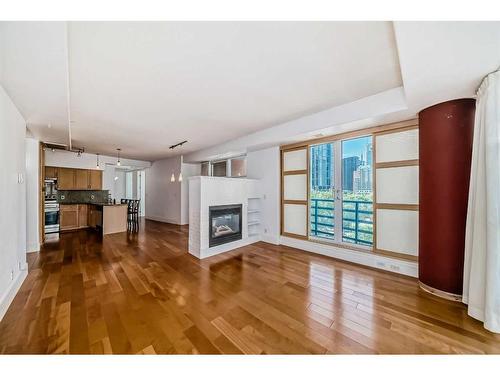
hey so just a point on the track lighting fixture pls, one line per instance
(118, 163)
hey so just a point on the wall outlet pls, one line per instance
(394, 267)
(265, 230)
(12, 274)
(381, 264)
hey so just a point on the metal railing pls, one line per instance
(357, 220)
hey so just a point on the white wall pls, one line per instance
(188, 170)
(13, 267)
(163, 197)
(32, 195)
(264, 165)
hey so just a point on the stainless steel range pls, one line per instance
(51, 207)
(51, 216)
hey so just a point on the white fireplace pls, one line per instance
(219, 215)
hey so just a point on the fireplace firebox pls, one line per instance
(224, 224)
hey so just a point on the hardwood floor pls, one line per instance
(143, 293)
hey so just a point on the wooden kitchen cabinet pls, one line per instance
(68, 216)
(82, 216)
(95, 179)
(66, 179)
(78, 179)
(51, 172)
(81, 179)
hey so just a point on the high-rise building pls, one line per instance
(321, 166)
(349, 165)
(362, 180)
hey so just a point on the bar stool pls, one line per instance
(133, 214)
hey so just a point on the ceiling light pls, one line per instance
(176, 145)
(116, 178)
(97, 165)
(118, 163)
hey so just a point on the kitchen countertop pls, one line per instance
(96, 203)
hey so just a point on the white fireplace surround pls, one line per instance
(207, 191)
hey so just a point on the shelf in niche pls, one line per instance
(253, 223)
(253, 211)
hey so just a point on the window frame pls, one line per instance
(373, 131)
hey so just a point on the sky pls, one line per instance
(355, 147)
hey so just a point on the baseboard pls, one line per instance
(400, 266)
(163, 219)
(8, 297)
(275, 240)
(33, 247)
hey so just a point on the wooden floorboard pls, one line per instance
(142, 293)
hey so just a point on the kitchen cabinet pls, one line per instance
(68, 216)
(65, 179)
(94, 216)
(78, 179)
(82, 216)
(81, 179)
(95, 179)
(51, 172)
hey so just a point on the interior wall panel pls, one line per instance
(295, 187)
(397, 231)
(397, 185)
(295, 160)
(397, 146)
(295, 219)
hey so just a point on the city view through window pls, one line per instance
(347, 191)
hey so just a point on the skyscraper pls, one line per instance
(349, 165)
(321, 166)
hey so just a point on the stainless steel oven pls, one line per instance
(50, 188)
(51, 209)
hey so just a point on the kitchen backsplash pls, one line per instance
(82, 196)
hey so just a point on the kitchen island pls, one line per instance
(106, 217)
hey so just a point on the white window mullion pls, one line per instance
(337, 150)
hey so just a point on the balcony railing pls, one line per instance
(357, 220)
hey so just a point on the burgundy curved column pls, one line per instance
(445, 150)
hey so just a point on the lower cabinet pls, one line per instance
(76, 216)
(82, 215)
(68, 216)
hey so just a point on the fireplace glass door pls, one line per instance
(225, 224)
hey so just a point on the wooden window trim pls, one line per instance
(298, 171)
(397, 164)
(393, 254)
(375, 131)
(396, 206)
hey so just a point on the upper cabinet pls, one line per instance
(51, 172)
(95, 179)
(76, 179)
(65, 179)
(81, 179)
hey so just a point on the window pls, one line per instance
(219, 168)
(205, 168)
(238, 167)
(357, 195)
(340, 185)
(322, 191)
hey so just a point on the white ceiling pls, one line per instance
(143, 86)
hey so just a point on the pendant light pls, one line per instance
(180, 173)
(97, 163)
(172, 179)
(118, 163)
